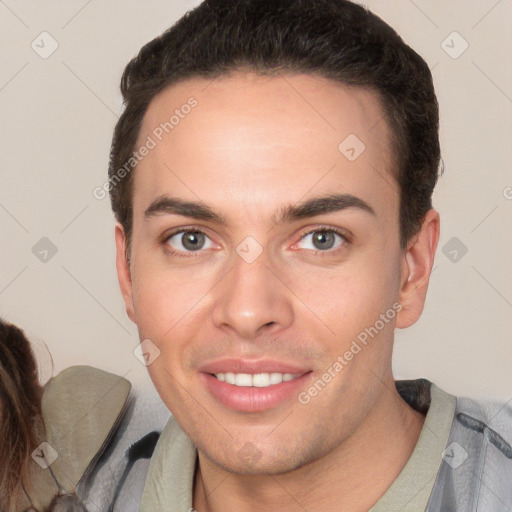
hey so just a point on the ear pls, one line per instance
(417, 263)
(123, 271)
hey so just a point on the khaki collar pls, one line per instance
(170, 480)
(81, 407)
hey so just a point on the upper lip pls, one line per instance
(232, 365)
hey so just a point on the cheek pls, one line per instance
(350, 303)
(351, 295)
(165, 297)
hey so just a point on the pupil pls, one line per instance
(322, 237)
(192, 240)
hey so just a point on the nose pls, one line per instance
(252, 300)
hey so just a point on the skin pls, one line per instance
(252, 146)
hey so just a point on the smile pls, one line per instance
(258, 380)
(256, 392)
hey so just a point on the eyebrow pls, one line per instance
(165, 205)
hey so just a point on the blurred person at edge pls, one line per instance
(54, 439)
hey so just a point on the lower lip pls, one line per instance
(253, 399)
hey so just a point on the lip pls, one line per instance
(252, 367)
(253, 399)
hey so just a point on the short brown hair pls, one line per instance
(336, 39)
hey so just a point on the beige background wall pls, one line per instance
(56, 120)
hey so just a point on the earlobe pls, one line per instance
(123, 271)
(417, 265)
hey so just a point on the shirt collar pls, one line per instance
(170, 480)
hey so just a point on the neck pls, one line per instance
(352, 477)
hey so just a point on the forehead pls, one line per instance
(250, 139)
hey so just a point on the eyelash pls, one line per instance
(195, 254)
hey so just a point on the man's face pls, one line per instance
(258, 293)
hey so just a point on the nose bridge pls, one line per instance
(251, 298)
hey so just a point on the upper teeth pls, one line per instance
(258, 380)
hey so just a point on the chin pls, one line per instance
(251, 461)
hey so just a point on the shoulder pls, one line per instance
(119, 474)
(477, 462)
(490, 418)
(81, 406)
(83, 385)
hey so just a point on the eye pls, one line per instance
(324, 240)
(188, 241)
